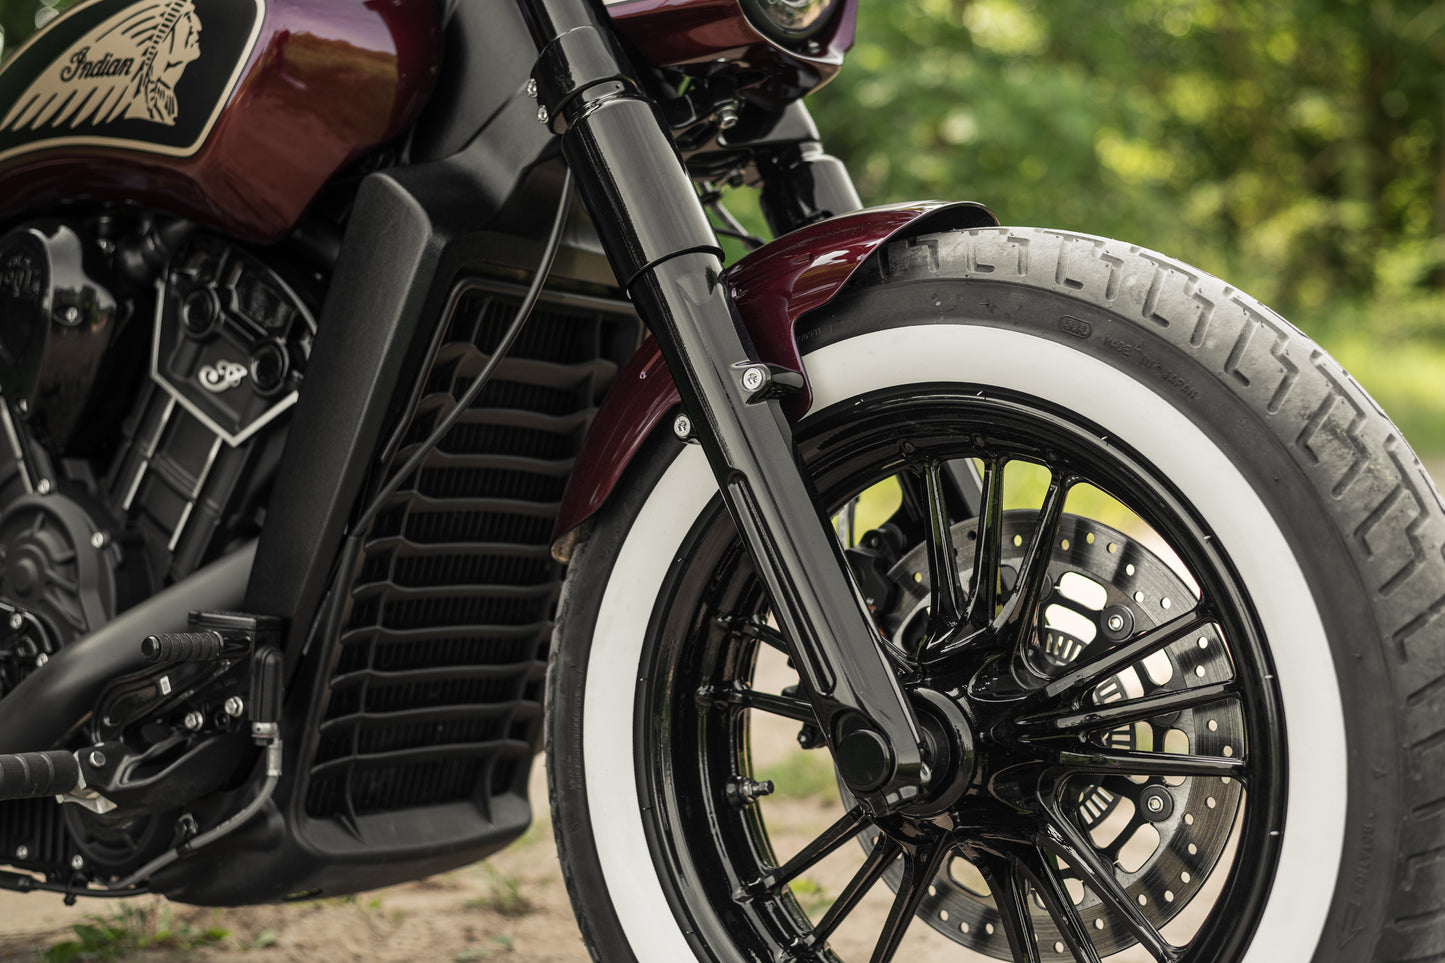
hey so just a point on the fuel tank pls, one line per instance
(233, 113)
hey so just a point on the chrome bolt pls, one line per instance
(97, 758)
(77, 862)
(234, 706)
(682, 427)
(17, 620)
(193, 720)
(755, 377)
(43, 486)
(726, 117)
(22, 851)
(542, 116)
(41, 659)
(71, 315)
(532, 89)
(1116, 622)
(1154, 804)
(98, 540)
(23, 405)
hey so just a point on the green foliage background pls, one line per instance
(1295, 147)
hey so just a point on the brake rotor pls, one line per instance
(1164, 836)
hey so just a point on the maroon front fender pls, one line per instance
(771, 288)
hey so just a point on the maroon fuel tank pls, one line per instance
(231, 112)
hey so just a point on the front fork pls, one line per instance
(664, 251)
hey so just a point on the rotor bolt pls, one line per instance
(77, 862)
(755, 377)
(682, 427)
(1116, 622)
(97, 758)
(542, 116)
(17, 620)
(532, 88)
(98, 540)
(22, 851)
(1157, 803)
(193, 720)
(234, 706)
(43, 486)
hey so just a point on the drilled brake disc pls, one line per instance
(1163, 836)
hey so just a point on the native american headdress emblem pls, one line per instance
(127, 67)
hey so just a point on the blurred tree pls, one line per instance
(1297, 144)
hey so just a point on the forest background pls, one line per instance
(1294, 147)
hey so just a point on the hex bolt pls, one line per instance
(745, 792)
(41, 659)
(234, 706)
(1116, 622)
(17, 620)
(1157, 804)
(98, 540)
(97, 758)
(22, 851)
(194, 720)
(755, 377)
(726, 117)
(682, 427)
(542, 116)
(71, 315)
(532, 88)
(43, 486)
(77, 862)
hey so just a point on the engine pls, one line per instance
(146, 371)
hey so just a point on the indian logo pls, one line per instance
(131, 74)
(126, 67)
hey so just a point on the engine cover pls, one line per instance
(56, 322)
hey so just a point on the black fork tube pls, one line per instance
(657, 236)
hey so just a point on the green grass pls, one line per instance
(130, 930)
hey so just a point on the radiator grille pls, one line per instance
(435, 690)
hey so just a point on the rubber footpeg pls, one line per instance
(35, 775)
(172, 647)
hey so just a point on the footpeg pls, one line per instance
(35, 775)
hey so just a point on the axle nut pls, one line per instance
(863, 759)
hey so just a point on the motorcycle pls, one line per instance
(349, 460)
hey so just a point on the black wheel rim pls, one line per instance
(1021, 813)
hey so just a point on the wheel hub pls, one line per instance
(1164, 835)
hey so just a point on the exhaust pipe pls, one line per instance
(60, 695)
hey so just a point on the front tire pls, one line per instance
(1243, 473)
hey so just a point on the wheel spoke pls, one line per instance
(869, 873)
(1065, 722)
(752, 627)
(1049, 884)
(983, 584)
(1089, 673)
(1066, 841)
(1136, 763)
(771, 883)
(1010, 895)
(945, 594)
(920, 867)
(1034, 569)
(742, 697)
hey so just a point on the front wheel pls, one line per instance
(1163, 586)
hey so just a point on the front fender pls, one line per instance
(771, 289)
